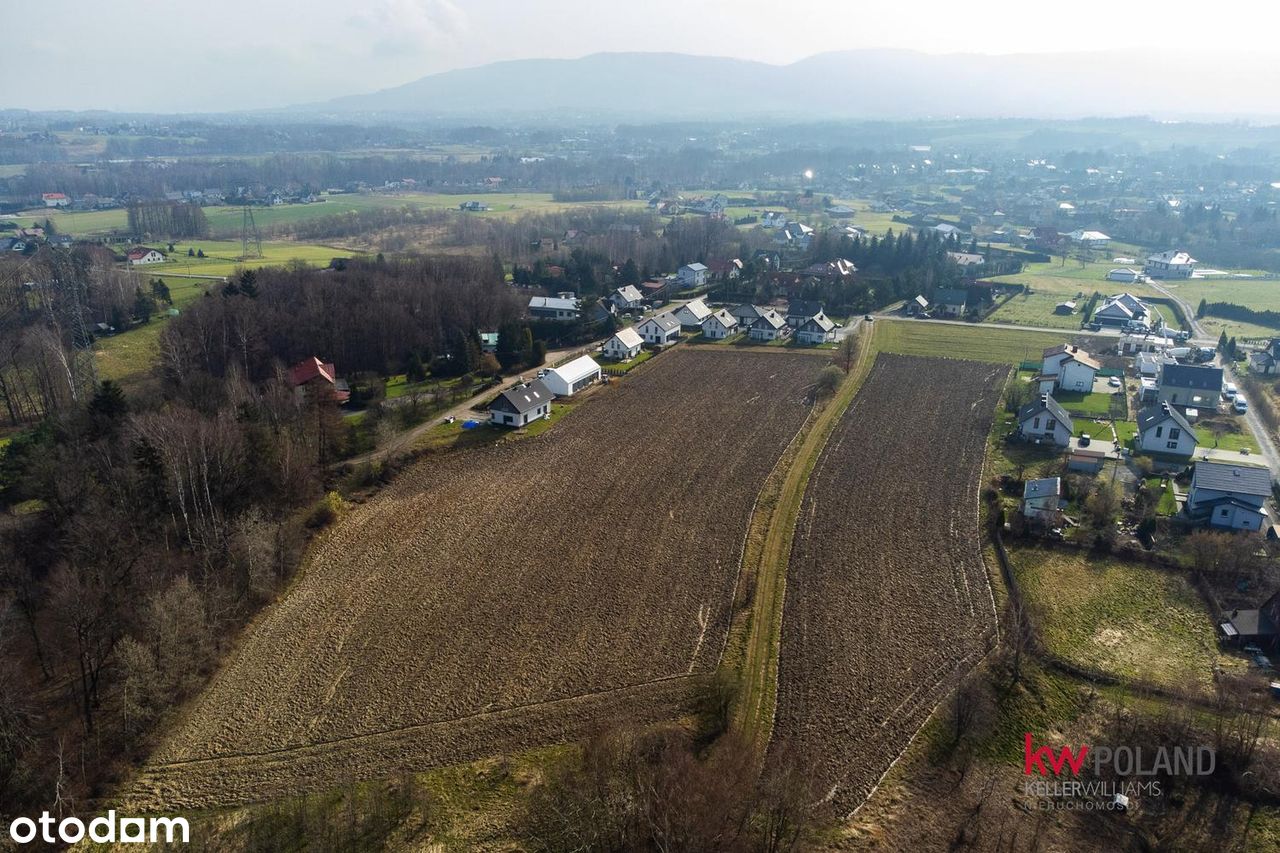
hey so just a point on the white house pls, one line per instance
(1121, 310)
(1125, 275)
(816, 330)
(769, 326)
(1041, 499)
(571, 377)
(1162, 429)
(801, 311)
(1067, 368)
(521, 405)
(1045, 421)
(625, 344)
(1089, 239)
(1170, 264)
(692, 275)
(1230, 496)
(1266, 361)
(720, 325)
(55, 199)
(563, 306)
(626, 298)
(746, 314)
(142, 255)
(692, 313)
(660, 329)
(951, 301)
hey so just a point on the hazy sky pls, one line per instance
(204, 55)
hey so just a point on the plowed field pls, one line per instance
(887, 600)
(496, 599)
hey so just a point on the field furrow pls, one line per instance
(887, 599)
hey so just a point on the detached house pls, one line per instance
(563, 306)
(800, 312)
(951, 302)
(625, 344)
(1121, 310)
(1266, 361)
(627, 298)
(720, 325)
(1067, 368)
(660, 329)
(1190, 385)
(1162, 429)
(769, 326)
(746, 314)
(141, 255)
(521, 405)
(692, 314)
(816, 330)
(1042, 499)
(1170, 264)
(1229, 496)
(692, 275)
(318, 379)
(1045, 421)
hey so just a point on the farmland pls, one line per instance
(887, 596)
(975, 343)
(463, 612)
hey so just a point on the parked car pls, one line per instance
(1230, 390)
(1114, 382)
(1241, 405)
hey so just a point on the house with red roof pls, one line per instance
(55, 199)
(140, 255)
(313, 376)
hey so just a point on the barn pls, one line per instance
(571, 377)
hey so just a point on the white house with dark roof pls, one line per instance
(720, 325)
(1121, 310)
(801, 311)
(769, 327)
(563, 306)
(1266, 361)
(521, 405)
(816, 330)
(625, 344)
(1170, 264)
(1043, 420)
(571, 377)
(1229, 496)
(746, 314)
(951, 301)
(660, 329)
(1162, 429)
(1196, 386)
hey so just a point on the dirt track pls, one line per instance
(887, 598)
(498, 599)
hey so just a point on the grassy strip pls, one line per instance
(753, 664)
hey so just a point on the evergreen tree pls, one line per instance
(1222, 341)
(143, 306)
(1200, 309)
(107, 409)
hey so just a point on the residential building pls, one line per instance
(1229, 496)
(1067, 368)
(692, 313)
(1170, 264)
(1089, 239)
(725, 270)
(55, 199)
(966, 259)
(1045, 421)
(769, 326)
(625, 344)
(1266, 361)
(800, 311)
(141, 255)
(562, 306)
(1123, 309)
(626, 298)
(660, 329)
(919, 305)
(1125, 275)
(521, 405)
(746, 314)
(1042, 500)
(719, 325)
(1195, 386)
(319, 379)
(816, 330)
(1163, 430)
(570, 378)
(692, 275)
(951, 302)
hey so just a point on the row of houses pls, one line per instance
(805, 320)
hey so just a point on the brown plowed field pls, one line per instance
(504, 597)
(887, 600)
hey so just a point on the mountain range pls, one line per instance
(876, 84)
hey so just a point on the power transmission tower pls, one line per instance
(249, 234)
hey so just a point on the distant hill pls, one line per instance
(847, 84)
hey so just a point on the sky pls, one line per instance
(223, 55)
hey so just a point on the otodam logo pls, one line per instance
(1121, 760)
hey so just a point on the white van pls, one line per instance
(1241, 405)
(1230, 390)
